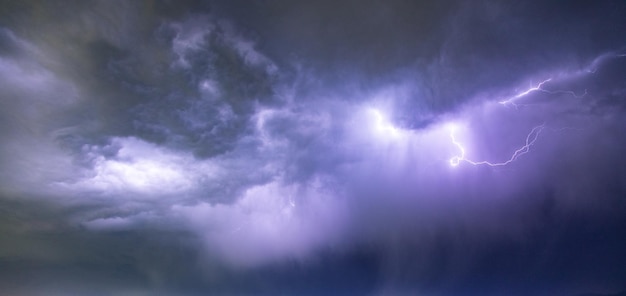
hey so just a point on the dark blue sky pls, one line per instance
(312, 147)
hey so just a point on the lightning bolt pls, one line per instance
(531, 138)
(531, 89)
(539, 88)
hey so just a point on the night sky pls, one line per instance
(276, 147)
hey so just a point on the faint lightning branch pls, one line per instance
(531, 89)
(292, 203)
(539, 88)
(531, 138)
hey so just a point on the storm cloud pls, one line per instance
(312, 148)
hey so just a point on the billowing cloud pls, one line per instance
(312, 148)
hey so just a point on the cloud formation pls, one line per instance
(312, 148)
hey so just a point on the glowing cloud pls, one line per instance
(138, 167)
(381, 126)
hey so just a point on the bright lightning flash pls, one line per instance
(539, 87)
(530, 140)
(532, 136)
(382, 126)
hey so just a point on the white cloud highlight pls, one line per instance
(269, 222)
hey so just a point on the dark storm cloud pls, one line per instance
(222, 81)
(304, 148)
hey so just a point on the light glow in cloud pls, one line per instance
(382, 127)
(269, 222)
(139, 167)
